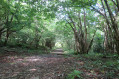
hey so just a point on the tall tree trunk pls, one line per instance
(80, 35)
(114, 26)
(7, 36)
(117, 4)
(91, 43)
(85, 38)
(0, 36)
(111, 22)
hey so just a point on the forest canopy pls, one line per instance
(77, 25)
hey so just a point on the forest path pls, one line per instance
(54, 65)
(58, 51)
(44, 66)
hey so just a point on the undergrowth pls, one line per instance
(22, 51)
(97, 63)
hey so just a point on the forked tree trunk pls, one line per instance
(80, 35)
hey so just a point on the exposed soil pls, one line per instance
(45, 66)
(48, 66)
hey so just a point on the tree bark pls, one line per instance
(117, 4)
(7, 36)
(80, 35)
(91, 42)
(114, 26)
(111, 23)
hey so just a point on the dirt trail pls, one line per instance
(45, 66)
(58, 51)
(54, 65)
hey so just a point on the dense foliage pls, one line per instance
(79, 26)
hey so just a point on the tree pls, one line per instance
(110, 15)
(108, 10)
(81, 33)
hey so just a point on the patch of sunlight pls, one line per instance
(80, 63)
(24, 64)
(32, 70)
(58, 44)
(19, 59)
(33, 59)
(117, 19)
